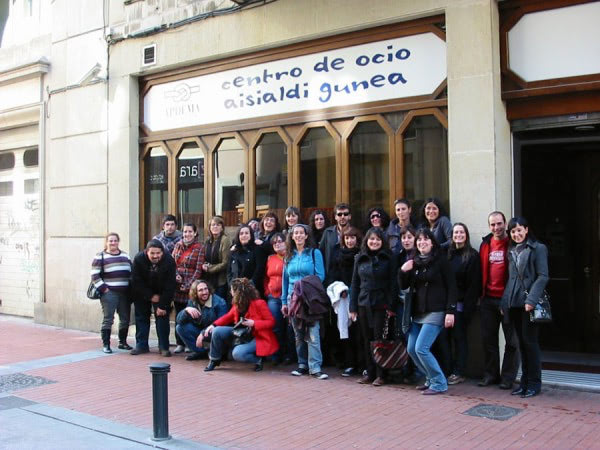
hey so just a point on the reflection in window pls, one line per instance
(317, 172)
(190, 186)
(156, 189)
(31, 186)
(369, 169)
(6, 188)
(229, 181)
(271, 175)
(425, 161)
(7, 161)
(30, 158)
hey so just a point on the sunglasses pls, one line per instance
(345, 214)
(375, 216)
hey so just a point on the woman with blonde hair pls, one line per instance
(111, 269)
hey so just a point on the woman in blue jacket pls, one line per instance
(302, 260)
(527, 278)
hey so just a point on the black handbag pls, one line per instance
(542, 312)
(241, 333)
(92, 292)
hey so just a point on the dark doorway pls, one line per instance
(559, 174)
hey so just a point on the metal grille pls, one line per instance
(495, 412)
(16, 381)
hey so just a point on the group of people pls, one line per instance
(316, 294)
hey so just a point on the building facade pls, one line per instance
(191, 108)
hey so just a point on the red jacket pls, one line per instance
(484, 255)
(266, 342)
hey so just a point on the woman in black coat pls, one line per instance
(527, 278)
(464, 260)
(433, 303)
(246, 260)
(373, 295)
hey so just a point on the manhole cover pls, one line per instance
(495, 412)
(16, 381)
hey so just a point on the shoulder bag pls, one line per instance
(241, 333)
(542, 312)
(389, 354)
(92, 292)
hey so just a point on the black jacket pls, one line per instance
(374, 280)
(147, 280)
(247, 262)
(468, 279)
(343, 265)
(433, 287)
(329, 246)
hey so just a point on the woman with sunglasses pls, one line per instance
(378, 218)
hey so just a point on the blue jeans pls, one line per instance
(274, 305)
(420, 339)
(309, 353)
(189, 333)
(143, 309)
(220, 341)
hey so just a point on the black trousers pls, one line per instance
(179, 307)
(452, 347)
(491, 319)
(528, 334)
(370, 334)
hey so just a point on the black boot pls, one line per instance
(123, 345)
(106, 341)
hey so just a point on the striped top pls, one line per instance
(117, 271)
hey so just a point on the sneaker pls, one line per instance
(138, 351)
(179, 349)
(348, 372)
(300, 371)
(456, 379)
(319, 375)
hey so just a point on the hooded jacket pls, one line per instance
(148, 279)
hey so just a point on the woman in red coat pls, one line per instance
(254, 313)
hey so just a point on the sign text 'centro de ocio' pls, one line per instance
(383, 70)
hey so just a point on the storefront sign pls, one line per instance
(394, 68)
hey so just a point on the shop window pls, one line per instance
(229, 181)
(155, 189)
(317, 171)
(31, 186)
(30, 158)
(271, 175)
(7, 161)
(425, 161)
(190, 186)
(6, 188)
(369, 169)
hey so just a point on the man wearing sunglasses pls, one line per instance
(330, 242)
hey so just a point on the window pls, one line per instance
(155, 189)
(30, 158)
(271, 175)
(229, 169)
(425, 161)
(7, 161)
(369, 169)
(317, 171)
(190, 186)
(6, 188)
(31, 186)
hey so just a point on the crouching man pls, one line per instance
(203, 308)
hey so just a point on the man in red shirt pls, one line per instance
(494, 270)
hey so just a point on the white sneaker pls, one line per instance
(319, 375)
(179, 349)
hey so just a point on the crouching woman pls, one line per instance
(253, 313)
(203, 308)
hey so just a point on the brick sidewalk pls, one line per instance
(234, 407)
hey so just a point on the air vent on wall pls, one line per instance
(149, 55)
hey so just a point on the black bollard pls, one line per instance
(160, 400)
